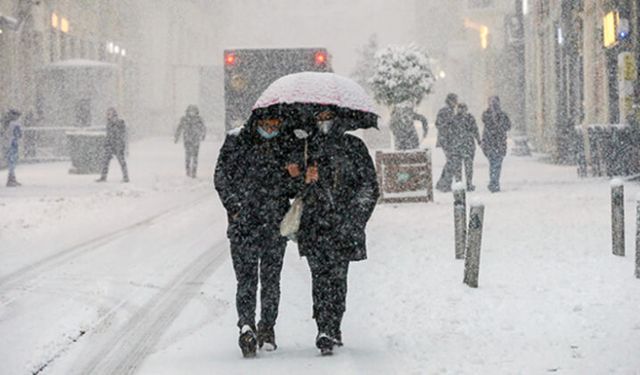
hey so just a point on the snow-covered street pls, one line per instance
(136, 278)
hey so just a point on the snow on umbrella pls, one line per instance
(324, 89)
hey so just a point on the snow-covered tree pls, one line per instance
(401, 74)
(366, 63)
(401, 80)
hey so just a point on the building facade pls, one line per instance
(573, 81)
(159, 47)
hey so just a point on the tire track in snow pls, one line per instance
(32, 272)
(123, 352)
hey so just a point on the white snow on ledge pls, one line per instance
(615, 182)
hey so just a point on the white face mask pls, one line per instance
(325, 126)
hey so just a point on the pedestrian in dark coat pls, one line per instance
(339, 197)
(11, 133)
(115, 145)
(464, 136)
(253, 184)
(494, 140)
(404, 133)
(444, 123)
(193, 132)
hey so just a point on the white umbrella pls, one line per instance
(317, 88)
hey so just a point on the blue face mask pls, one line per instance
(266, 135)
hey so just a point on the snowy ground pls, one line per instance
(135, 278)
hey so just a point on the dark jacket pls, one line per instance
(338, 206)
(464, 135)
(444, 123)
(116, 135)
(494, 135)
(192, 129)
(253, 184)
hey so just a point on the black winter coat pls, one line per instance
(192, 129)
(464, 134)
(116, 135)
(494, 135)
(338, 206)
(253, 185)
(444, 123)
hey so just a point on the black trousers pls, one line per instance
(329, 292)
(252, 261)
(495, 168)
(449, 172)
(119, 154)
(460, 161)
(191, 151)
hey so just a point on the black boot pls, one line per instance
(325, 343)
(247, 341)
(266, 337)
(12, 182)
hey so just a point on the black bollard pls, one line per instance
(460, 219)
(617, 217)
(472, 258)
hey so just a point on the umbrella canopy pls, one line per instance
(349, 99)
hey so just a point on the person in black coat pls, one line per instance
(254, 187)
(464, 136)
(115, 145)
(494, 140)
(445, 121)
(193, 132)
(340, 194)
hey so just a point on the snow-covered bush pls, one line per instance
(402, 74)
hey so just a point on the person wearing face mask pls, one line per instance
(339, 194)
(255, 188)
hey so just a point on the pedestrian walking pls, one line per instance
(339, 197)
(464, 136)
(254, 187)
(193, 132)
(10, 135)
(494, 140)
(444, 123)
(115, 145)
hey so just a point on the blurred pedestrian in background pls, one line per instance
(193, 132)
(464, 136)
(494, 140)
(10, 135)
(115, 145)
(444, 123)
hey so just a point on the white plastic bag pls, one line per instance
(291, 222)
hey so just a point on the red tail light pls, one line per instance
(321, 58)
(229, 58)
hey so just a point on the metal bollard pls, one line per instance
(460, 219)
(617, 217)
(638, 237)
(472, 258)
